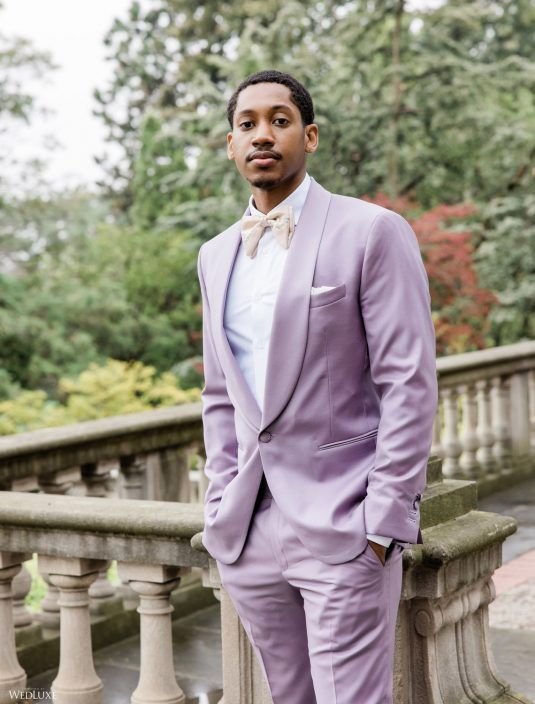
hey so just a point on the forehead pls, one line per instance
(261, 97)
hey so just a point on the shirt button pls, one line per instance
(265, 436)
(257, 297)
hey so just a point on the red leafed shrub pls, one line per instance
(459, 305)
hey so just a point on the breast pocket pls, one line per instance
(326, 297)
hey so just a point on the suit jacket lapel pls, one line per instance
(239, 391)
(290, 317)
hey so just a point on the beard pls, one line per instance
(265, 182)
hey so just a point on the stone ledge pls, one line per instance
(166, 519)
(460, 537)
(446, 500)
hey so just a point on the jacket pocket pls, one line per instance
(325, 297)
(348, 441)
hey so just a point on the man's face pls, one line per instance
(268, 141)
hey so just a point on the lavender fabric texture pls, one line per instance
(351, 390)
(323, 634)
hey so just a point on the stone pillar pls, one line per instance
(520, 417)
(436, 447)
(49, 615)
(531, 392)
(22, 583)
(12, 676)
(450, 442)
(500, 424)
(133, 470)
(96, 477)
(203, 479)
(470, 441)
(76, 681)
(171, 476)
(154, 584)
(443, 653)
(60, 482)
(484, 427)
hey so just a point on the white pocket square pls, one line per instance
(318, 289)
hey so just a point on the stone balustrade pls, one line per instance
(75, 538)
(485, 425)
(484, 430)
(150, 452)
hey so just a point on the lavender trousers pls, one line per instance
(323, 634)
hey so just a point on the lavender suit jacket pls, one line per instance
(351, 386)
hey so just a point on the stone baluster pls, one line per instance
(76, 681)
(531, 393)
(12, 676)
(203, 479)
(520, 418)
(133, 469)
(154, 584)
(500, 424)
(484, 427)
(436, 447)
(451, 444)
(469, 437)
(96, 478)
(60, 482)
(49, 615)
(22, 583)
(171, 480)
(27, 484)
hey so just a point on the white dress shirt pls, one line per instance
(252, 291)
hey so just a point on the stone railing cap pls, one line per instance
(88, 514)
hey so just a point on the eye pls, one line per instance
(247, 122)
(281, 118)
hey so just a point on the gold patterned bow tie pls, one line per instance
(281, 219)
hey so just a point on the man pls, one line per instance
(318, 406)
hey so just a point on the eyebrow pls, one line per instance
(273, 108)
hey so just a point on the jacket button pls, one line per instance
(265, 436)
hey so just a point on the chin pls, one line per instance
(265, 181)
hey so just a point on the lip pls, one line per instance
(264, 161)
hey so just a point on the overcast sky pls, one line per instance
(72, 31)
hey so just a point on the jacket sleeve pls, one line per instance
(395, 304)
(219, 430)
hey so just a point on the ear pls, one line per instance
(230, 146)
(311, 138)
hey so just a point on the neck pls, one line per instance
(265, 200)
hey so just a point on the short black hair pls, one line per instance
(299, 94)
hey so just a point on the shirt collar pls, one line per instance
(296, 199)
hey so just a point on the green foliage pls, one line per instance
(506, 264)
(434, 108)
(111, 389)
(38, 588)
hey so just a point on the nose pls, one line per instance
(263, 134)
